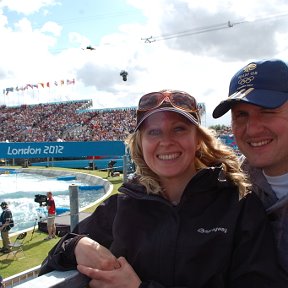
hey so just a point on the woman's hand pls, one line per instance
(90, 253)
(123, 277)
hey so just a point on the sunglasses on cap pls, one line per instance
(178, 99)
(167, 100)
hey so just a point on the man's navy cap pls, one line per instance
(263, 83)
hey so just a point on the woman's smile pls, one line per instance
(170, 156)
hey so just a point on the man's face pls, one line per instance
(262, 136)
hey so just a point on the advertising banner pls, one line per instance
(15, 150)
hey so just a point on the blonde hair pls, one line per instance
(212, 152)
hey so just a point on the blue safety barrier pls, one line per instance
(61, 210)
(66, 178)
(92, 187)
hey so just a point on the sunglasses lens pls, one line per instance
(177, 99)
(150, 101)
(167, 100)
(183, 101)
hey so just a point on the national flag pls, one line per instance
(10, 89)
(70, 81)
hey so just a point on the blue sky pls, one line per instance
(91, 19)
(193, 47)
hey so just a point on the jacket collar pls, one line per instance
(204, 179)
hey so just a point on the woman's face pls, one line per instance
(169, 143)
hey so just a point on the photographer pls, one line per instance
(6, 223)
(51, 227)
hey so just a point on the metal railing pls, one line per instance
(57, 279)
(16, 279)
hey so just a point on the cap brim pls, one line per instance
(263, 98)
(187, 115)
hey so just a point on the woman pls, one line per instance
(185, 220)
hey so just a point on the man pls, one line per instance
(51, 227)
(6, 223)
(258, 95)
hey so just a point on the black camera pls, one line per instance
(124, 75)
(41, 199)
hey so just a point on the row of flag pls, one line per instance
(50, 84)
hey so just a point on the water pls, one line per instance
(19, 190)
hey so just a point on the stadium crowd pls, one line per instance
(73, 121)
(64, 121)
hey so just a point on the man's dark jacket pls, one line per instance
(276, 210)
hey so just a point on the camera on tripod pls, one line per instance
(41, 199)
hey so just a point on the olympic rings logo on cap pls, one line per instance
(246, 80)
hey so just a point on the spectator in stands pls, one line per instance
(258, 97)
(63, 121)
(51, 227)
(184, 220)
(6, 223)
